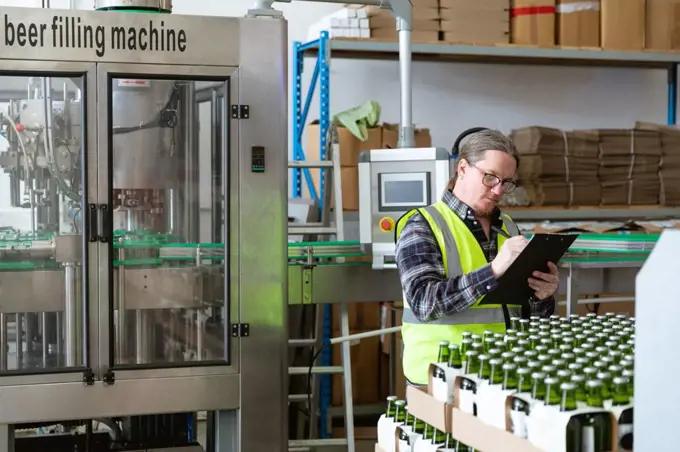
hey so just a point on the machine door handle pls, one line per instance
(92, 222)
(105, 225)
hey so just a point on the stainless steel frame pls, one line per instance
(250, 393)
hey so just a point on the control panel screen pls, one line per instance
(400, 191)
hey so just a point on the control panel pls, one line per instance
(391, 183)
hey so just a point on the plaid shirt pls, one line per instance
(429, 293)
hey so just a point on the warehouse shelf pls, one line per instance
(324, 49)
(499, 54)
(593, 213)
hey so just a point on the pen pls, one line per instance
(500, 231)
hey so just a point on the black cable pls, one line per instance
(166, 118)
(309, 383)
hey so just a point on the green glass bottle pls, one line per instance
(580, 382)
(553, 396)
(538, 386)
(419, 426)
(477, 338)
(535, 366)
(509, 376)
(410, 419)
(468, 387)
(391, 410)
(400, 415)
(630, 375)
(520, 361)
(443, 356)
(439, 437)
(567, 403)
(455, 359)
(524, 325)
(575, 368)
(495, 352)
(466, 335)
(489, 344)
(484, 372)
(428, 434)
(549, 370)
(606, 379)
(496, 371)
(531, 355)
(564, 375)
(621, 399)
(514, 323)
(465, 346)
(560, 363)
(596, 427)
(524, 382)
(509, 356)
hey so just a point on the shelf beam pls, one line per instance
(500, 54)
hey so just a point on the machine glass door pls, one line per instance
(43, 203)
(171, 262)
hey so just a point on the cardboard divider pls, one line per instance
(425, 407)
(480, 436)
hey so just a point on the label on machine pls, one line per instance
(133, 83)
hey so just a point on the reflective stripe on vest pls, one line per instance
(477, 315)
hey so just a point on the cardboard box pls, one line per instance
(478, 22)
(623, 24)
(350, 146)
(533, 22)
(578, 23)
(362, 316)
(662, 31)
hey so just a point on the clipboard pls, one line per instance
(513, 287)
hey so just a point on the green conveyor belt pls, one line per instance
(158, 249)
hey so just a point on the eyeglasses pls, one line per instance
(491, 180)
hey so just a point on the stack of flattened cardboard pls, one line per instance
(669, 165)
(425, 22)
(476, 22)
(558, 167)
(629, 166)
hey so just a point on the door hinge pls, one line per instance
(240, 330)
(88, 377)
(240, 111)
(109, 377)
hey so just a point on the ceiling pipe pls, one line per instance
(403, 13)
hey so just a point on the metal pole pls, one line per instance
(406, 131)
(672, 94)
(4, 346)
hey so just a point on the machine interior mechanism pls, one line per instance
(127, 193)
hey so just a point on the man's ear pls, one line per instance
(461, 168)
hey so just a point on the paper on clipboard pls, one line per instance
(513, 286)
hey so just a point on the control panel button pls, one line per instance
(386, 224)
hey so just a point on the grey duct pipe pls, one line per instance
(402, 10)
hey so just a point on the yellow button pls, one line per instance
(386, 224)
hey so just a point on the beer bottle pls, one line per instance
(400, 415)
(511, 342)
(538, 388)
(477, 338)
(478, 347)
(465, 346)
(520, 361)
(428, 433)
(495, 352)
(468, 387)
(554, 353)
(629, 374)
(534, 340)
(560, 364)
(466, 335)
(519, 411)
(455, 360)
(496, 371)
(596, 427)
(508, 356)
(606, 379)
(567, 403)
(569, 358)
(575, 368)
(524, 344)
(391, 410)
(489, 344)
(514, 323)
(524, 325)
(419, 426)
(564, 375)
(410, 419)
(590, 373)
(534, 366)
(443, 352)
(484, 372)
(580, 382)
(552, 391)
(524, 383)
(509, 376)
(439, 437)
(621, 398)
(531, 355)
(549, 370)
(615, 371)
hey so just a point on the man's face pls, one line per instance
(483, 181)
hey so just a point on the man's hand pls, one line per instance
(545, 284)
(511, 248)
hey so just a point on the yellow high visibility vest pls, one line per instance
(461, 254)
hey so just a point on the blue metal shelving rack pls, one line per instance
(301, 107)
